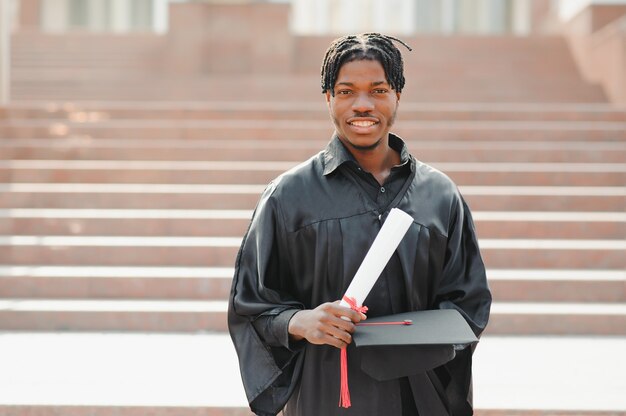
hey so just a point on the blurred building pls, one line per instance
(409, 17)
(319, 17)
(54, 16)
(176, 38)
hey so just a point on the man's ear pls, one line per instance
(398, 95)
(328, 96)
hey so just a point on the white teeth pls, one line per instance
(363, 123)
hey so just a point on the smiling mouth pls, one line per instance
(360, 123)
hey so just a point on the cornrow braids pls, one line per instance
(370, 46)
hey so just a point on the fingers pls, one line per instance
(329, 335)
(340, 333)
(335, 342)
(329, 324)
(335, 327)
(339, 311)
(340, 323)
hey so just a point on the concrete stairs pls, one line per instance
(71, 214)
(96, 67)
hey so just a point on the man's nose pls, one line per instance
(362, 103)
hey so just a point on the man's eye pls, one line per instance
(344, 92)
(380, 91)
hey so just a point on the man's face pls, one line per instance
(364, 106)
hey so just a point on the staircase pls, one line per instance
(122, 214)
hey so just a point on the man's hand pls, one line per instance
(324, 324)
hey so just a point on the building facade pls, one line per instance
(308, 17)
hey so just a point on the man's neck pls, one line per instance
(377, 161)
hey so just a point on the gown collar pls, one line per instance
(336, 153)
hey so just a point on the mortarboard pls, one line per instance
(391, 349)
(432, 327)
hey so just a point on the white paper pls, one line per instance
(385, 243)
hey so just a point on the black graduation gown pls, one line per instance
(308, 235)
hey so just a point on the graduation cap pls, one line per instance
(432, 327)
(410, 343)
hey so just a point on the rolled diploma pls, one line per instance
(377, 257)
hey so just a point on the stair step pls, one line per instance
(222, 223)
(513, 318)
(63, 282)
(557, 318)
(306, 129)
(113, 315)
(128, 82)
(222, 251)
(545, 285)
(247, 172)
(486, 85)
(75, 90)
(239, 196)
(269, 110)
(86, 148)
(208, 283)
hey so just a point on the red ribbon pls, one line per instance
(405, 322)
(344, 394)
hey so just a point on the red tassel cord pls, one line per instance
(405, 322)
(344, 394)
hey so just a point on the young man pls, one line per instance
(309, 233)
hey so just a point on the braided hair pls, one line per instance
(370, 46)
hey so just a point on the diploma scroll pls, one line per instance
(377, 257)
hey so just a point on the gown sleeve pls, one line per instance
(463, 286)
(258, 312)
